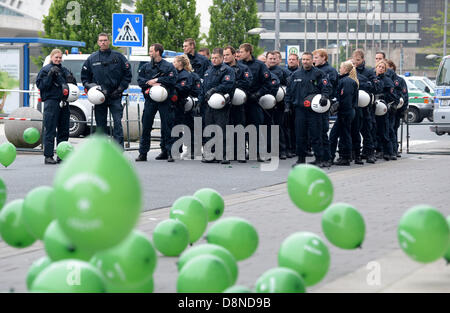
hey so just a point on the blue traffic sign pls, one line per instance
(128, 30)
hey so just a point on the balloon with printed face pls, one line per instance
(12, 226)
(423, 234)
(31, 135)
(212, 201)
(129, 263)
(204, 274)
(306, 254)
(236, 235)
(280, 280)
(97, 195)
(8, 154)
(192, 213)
(171, 237)
(69, 276)
(310, 188)
(36, 211)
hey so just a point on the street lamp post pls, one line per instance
(445, 28)
(277, 25)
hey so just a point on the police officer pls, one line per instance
(273, 63)
(304, 83)
(52, 82)
(321, 62)
(390, 98)
(183, 87)
(243, 81)
(261, 85)
(158, 72)
(347, 95)
(219, 79)
(199, 63)
(369, 84)
(111, 71)
(293, 65)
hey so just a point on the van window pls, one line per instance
(443, 76)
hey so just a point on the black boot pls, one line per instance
(49, 160)
(162, 156)
(371, 159)
(358, 160)
(343, 162)
(301, 160)
(326, 164)
(141, 158)
(316, 162)
(170, 158)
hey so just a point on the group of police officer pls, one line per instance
(235, 88)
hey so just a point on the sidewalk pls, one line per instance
(382, 193)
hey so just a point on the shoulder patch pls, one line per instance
(183, 83)
(171, 74)
(246, 74)
(227, 77)
(397, 83)
(325, 82)
(266, 75)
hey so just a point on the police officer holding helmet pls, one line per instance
(303, 84)
(112, 72)
(157, 73)
(52, 82)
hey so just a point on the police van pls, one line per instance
(442, 102)
(81, 110)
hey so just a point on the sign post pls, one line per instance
(292, 50)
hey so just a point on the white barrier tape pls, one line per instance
(15, 119)
(20, 91)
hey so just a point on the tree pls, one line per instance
(170, 22)
(437, 30)
(80, 20)
(230, 22)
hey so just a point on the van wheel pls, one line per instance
(414, 116)
(76, 129)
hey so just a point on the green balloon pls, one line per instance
(310, 188)
(36, 211)
(447, 254)
(280, 280)
(209, 249)
(2, 193)
(238, 289)
(192, 213)
(31, 135)
(212, 201)
(97, 195)
(12, 226)
(306, 254)
(59, 247)
(131, 262)
(204, 274)
(143, 287)
(69, 276)
(36, 268)
(236, 235)
(63, 149)
(7, 154)
(344, 226)
(423, 234)
(171, 237)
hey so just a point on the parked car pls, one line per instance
(420, 104)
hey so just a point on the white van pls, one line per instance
(81, 110)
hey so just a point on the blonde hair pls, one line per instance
(55, 51)
(348, 65)
(382, 62)
(184, 60)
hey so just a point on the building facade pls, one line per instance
(393, 26)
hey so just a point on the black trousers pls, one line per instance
(342, 131)
(101, 117)
(221, 119)
(308, 122)
(56, 124)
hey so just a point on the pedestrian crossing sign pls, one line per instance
(128, 30)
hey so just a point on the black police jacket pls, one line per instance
(347, 94)
(332, 75)
(108, 69)
(261, 83)
(275, 84)
(221, 78)
(282, 74)
(184, 84)
(398, 88)
(292, 69)
(50, 86)
(199, 63)
(164, 71)
(368, 81)
(243, 76)
(304, 83)
(387, 93)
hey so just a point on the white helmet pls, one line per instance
(239, 97)
(158, 93)
(401, 103)
(189, 105)
(95, 96)
(267, 102)
(74, 93)
(281, 93)
(381, 108)
(316, 107)
(364, 99)
(217, 101)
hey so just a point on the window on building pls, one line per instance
(268, 24)
(400, 27)
(413, 6)
(413, 27)
(294, 5)
(292, 26)
(389, 6)
(260, 4)
(353, 5)
(400, 6)
(342, 26)
(269, 5)
(330, 5)
(267, 44)
(332, 26)
(342, 5)
(283, 5)
(311, 26)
